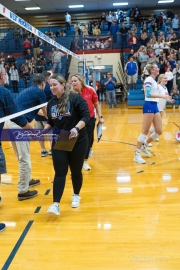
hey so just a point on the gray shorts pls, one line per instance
(40, 124)
(2, 161)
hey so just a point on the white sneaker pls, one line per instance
(54, 209)
(156, 140)
(75, 201)
(149, 145)
(90, 153)
(86, 166)
(145, 151)
(139, 159)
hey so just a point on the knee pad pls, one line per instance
(141, 138)
(152, 129)
(154, 136)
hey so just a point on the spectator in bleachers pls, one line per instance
(162, 63)
(161, 36)
(133, 41)
(50, 57)
(58, 33)
(131, 70)
(14, 77)
(36, 43)
(128, 15)
(158, 46)
(172, 61)
(113, 32)
(166, 45)
(121, 17)
(57, 60)
(28, 56)
(42, 57)
(96, 31)
(68, 21)
(21, 68)
(123, 32)
(154, 59)
(133, 29)
(137, 15)
(144, 29)
(76, 40)
(114, 17)
(143, 58)
(176, 74)
(11, 60)
(161, 21)
(31, 65)
(144, 39)
(103, 21)
(85, 30)
(26, 76)
(39, 65)
(175, 94)
(131, 53)
(109, 19)
(2, 58)
(174, 42)
(175, 23)
(169, 75)
(26, 45)
(155, 28)
(178, 56)
(168, 66)
(170, 35)
(17, 37)
(168, 25)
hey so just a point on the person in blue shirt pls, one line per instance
(28, 98)
(8, 107)
(113, 32)
(41, 121)
(110, 85)
(131, 70)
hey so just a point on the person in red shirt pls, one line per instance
(89, 94)
(26, 45)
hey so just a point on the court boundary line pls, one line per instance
(17, 246)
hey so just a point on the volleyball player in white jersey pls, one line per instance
(150, 114)
(162, 81)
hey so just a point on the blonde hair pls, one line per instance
(81, 78)
(161, 76)
(64, 100)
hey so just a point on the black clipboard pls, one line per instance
(64, 143)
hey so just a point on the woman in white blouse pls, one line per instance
(170, 77)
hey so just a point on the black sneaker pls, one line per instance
(2, 227)
(33, 182)
(28, 195)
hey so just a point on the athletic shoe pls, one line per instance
(156, 140)
(33, 182)
(44, 153)
(27, 195)
(139, 159)
(50, 153)
(149, 145)
(145, 151)
(86, 166)
(75, 201)
(0, 199)
(90, 153)
(54, 209)
(2, 227)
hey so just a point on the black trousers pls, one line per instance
(61, 161)
(90, 131)
(169, 86)
(15, 86)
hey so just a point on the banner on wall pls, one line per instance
(16, 19)
(97, 42)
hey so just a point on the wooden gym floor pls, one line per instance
(129, 217)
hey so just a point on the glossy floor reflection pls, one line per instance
(129, 216)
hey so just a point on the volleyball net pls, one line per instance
(18, 67)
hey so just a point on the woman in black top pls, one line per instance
(67, 111)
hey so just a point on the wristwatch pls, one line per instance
(101, 116)
(77, 129)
